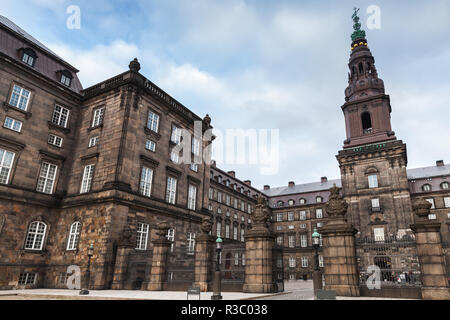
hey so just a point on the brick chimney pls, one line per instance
(248, 182)
(323, 179)
(232, 173)
(266, 187)
(291, 184)
(439, 163)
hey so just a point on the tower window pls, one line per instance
(366, 122)
(361, 68)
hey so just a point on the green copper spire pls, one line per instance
(358, 33)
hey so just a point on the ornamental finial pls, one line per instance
(358, 33)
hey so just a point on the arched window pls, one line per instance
(291, 202)
(35, 235)
(444, 185)
(361, 68)
(319, 199)
(280, 203)
(426, 187)
(302, 201)
(74, 235)
(366, 122)
(219, 179)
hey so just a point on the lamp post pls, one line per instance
(317, 275)
(85, 290)
(217, 288)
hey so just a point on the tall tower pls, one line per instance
(372, 161)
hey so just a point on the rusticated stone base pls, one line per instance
(435, 293)
(344, 290)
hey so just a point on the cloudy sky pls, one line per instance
(266, 65)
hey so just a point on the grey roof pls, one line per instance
(302, 188)
(427, 172)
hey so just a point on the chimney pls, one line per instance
(323, 179)
(440, 163)
(213, 163)
(231, 173)
(266, 187)
(291, 184)
(248, 182)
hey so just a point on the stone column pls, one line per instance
(259, 242)
(159, 260)
(203, 258)
(431, 256)
(124, 247)
(339, 253)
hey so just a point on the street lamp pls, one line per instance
(317, 275)
(217, 275)
(85, 290)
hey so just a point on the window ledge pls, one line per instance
(9, 107)
(52, 125)
(100, 126)
(152, 133)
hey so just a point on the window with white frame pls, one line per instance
(279, 216)
(65, 80)
(375, 203)
(13, 124)
(74, 235)
(292, 262)
(29, 57)
(304, 262)
(249, 208)
(47, 177)
(280, 240)
(27, 278)
(228, 200)
(320, 261)
(378, 234)
(219, 229)
(192, 197)
(174, 157)
(302, 215)
(219, 210)
(243, 259)
(290, 216)
(290, 202)
(19, 98)
(236, 259)
(176, 135)
(171, 190)
(153, 121)
(304, 240)
(227, 231)
(194, 167)
(373, 181)
(191, 243)
(35, 236)
(87, 178)
(6, 161)
(242, 205)
(211, 193)
(97, 119)
(195, 146)
(432, 216)
(280, 263)
(302, 201)
(319, 199)
(60, 116)
(171, 237)
(291, 241)
(93, 141)
(303, 226)
(145, 186)
(444, 185)
(319, 224)
(55, 140)
(431, 200)
(447, 202)
(219, 197)
(426, 187)
(319, 213)
(150, 145)
(242, 234)
(142, 236)
(235, 203)
(235, 233)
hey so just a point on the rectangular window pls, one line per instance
(211, 193)
(174, 157)
(29, 60)
(171, 237)
(27, 278)
(320, 261)
(55, 140)
(304, 262)
(65, 80)
(431, 200)
(93, 141)
(291, 262)
(373, 181)
(303, 226)
(87, 178)
(242, 234)
(191, 243)
(145, 186)
(192, 197)
(219, 197)
(227, 231)
(98, 117)
(194, 167)
(378, 234)
(196, 146)
(142, 236)
(47, 177)
(280, 240)
(432, 216)
(153, 121)
(218, 229)
(235, 203)
(171, 190)
(290, 216)
(375, 203)
(235, 233)
(150, 145)
(279, 216)
(236, 259)
(176, 135)
(12, 124)
(249, 209)
(242, 206)
(319, 213)
(6, 161)
(447, 202)
(19, 98)
(291, 241)
(302, 215)
(243, 259)
(228, 200)
(60, 116)
(304, 240)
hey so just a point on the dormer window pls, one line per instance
(319, 199)
(302, 201)
(66, 78)
(426, 187)
(444, 185)
(29, 56)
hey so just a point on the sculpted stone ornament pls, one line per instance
(260, 215)
(206, 225)
(336, 206)
(126, 239)
(421, 208)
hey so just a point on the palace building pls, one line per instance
(97, 165)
